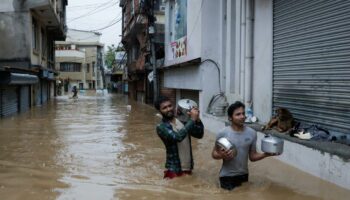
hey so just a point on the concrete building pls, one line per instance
(118, 81)
(137, 17)
(28, 30)
(268, 53)
(79, 61)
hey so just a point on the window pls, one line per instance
(70, 67)
(180, 19)
(35, 39)
(88, 68)
(93, 67)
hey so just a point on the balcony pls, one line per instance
(135, 18)
(53, 15)
(136, 24)
(69, 54)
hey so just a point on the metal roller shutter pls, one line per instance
(44, 91)
(311, 61)
(24, 98)
(38, 93)
(9, 101)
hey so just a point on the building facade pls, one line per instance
(118, 81)
(79, 61)
(268, 54)
(138, 16)
(28, 30)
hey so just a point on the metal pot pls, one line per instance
(225, 144)
(270, 144)
(184, 106)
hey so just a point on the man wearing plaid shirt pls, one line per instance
(177, 138)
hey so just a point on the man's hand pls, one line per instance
(194, 114)
(225, 154)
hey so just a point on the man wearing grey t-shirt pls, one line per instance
(234, 170)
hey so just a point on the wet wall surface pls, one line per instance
(105, 147)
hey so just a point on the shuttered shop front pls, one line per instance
(44, 90)
(311, 61)
(24, 98)
(38, 94)
(9, 101)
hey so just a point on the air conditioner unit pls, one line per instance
(162, 8)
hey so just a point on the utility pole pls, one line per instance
(152, 32)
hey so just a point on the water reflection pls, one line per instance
(96, 147)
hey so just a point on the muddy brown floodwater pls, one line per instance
(97, 148)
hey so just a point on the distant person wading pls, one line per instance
(75, 92)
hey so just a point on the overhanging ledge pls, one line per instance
(8, 78)
(333, 148)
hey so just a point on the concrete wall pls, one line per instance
(77, 36)
(74, 76)
(91, 56)
(320, 164)
(212, 42)
(229, 72)
(262, 71)
(204, 42)
(70, 53)
(25, 5)
(183, 78)
(15, 31)
(194, 33)
(323, 165)
(16, 34)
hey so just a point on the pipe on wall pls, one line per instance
(242, 48)
(248, 59)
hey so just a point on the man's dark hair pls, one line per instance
(233, 107)
(160, 100)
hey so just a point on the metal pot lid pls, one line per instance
(272, 139)
(186, 103)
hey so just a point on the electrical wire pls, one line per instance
(87, 5)
(108, 26)
(217, 67)
(100, 8)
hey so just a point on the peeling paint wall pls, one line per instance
(15, 31)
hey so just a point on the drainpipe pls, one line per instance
(242, 48)
(248, 61)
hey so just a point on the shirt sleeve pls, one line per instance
(171, 135)
(197, 130)
(253, 145)
(220, 134)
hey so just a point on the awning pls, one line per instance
(9, 78)
(47, 74)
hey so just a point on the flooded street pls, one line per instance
(97, 148)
